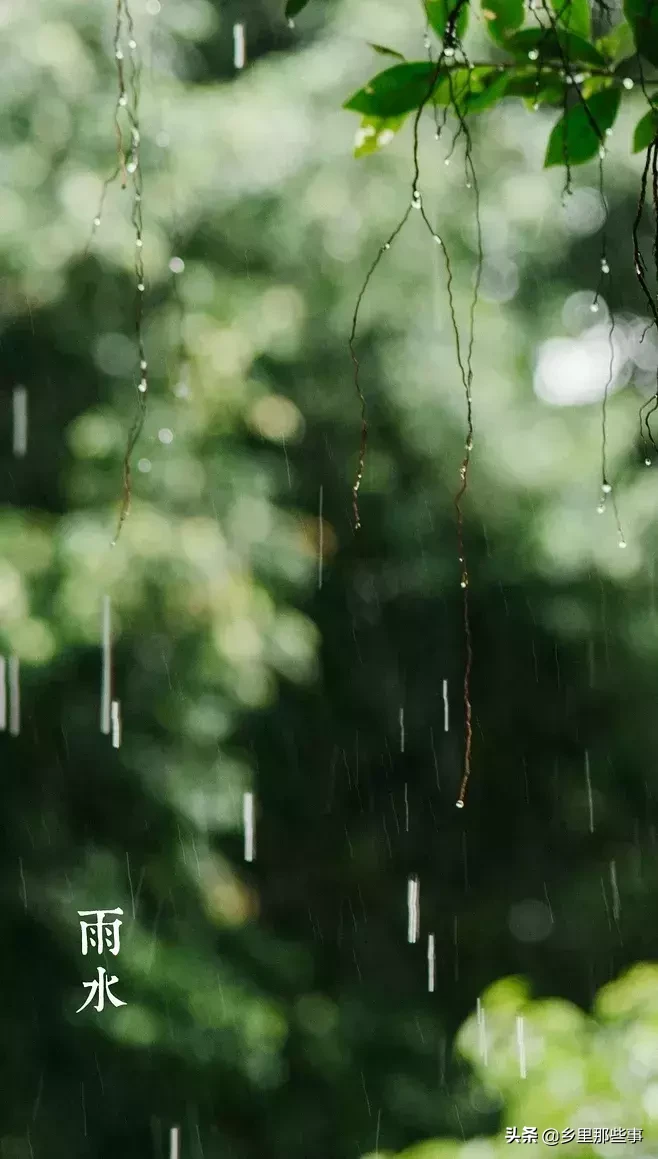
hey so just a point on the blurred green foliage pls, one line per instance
(276, 1008)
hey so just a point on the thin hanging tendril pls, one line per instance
(416, 202)
(467, 379)
(134, 170)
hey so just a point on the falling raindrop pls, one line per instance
(249, 826)
(174, 1143)
(616, 903)
(520, 1042)
(590, 799)
(239, 46)
(20, 422)
(482, 1032)
(106, 667)
(431, 963)
(14, 696)
(401, 719)
(116, 724)
(446, 719)
(320, 538)
(413, 909)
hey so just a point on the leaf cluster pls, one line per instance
(553, 61)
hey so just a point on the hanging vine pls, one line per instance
(128, 169)
(551, 59)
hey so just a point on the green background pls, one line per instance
(276, 1009)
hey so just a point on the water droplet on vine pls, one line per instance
(628, 83)
(533, 54)
(606, 488)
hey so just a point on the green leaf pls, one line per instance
(552, 46)
(503, 17)
(387, 51)
(522, 82)
(438, 14)
(618, 44)
(376, 133)
(573, 139)
(489, 96)
(574, 15)
(394, 92)
(293, 7)
(645, 130)
(642, 15)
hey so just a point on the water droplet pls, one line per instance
(605, 268)
(118, 54)
(143, 364)
(140, 287)
(426, 41)
(132, 45)
(131, 167)
(468, 185)
(153, 7)
(601, 508)
(447, 161)
(166, 436)
(123, 100)
(291, 23)
(463, 584)
(387, 245)
(144, 465)
(416, 200)
(459, 804)
(535, 106)
(449, 51)
(139, 243)
(533, 54)
(594, 307)
(176, 265)
(628, 83)
(622, 543)
(606, 488)
(143, 386)
(437, 239)
(647, 462)
(601, 152)
(97, 221)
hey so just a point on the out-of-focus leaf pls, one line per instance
(293, 7)
(574, 139)
(394, 92)
(596, 84)
(439, 12)
(618, 44)
(383, 51)
(503, 17)
(490, 94)
(376, 133)
(553, 46)
(523, 83)
(574, 15)
(645, 130)
(642, 15)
